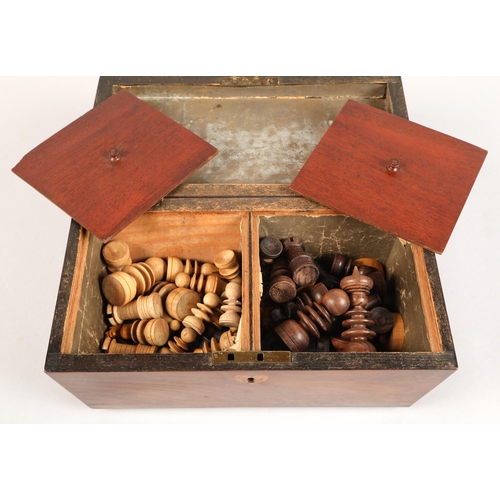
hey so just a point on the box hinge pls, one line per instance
(252, 357)
(248, 81)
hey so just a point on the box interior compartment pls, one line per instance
(324, 235)
(186, 235)
(264, 133)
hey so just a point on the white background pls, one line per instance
(308, 452)
(34, 234)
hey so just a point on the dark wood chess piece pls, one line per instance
(304, 270)
(282, 288)
(356, 337)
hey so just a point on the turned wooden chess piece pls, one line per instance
(341, 265)
(304, 270)
(270, 248)
(312, 316)
(282, 288)
(116, 254)
(356, 337)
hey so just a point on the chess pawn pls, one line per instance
(208, 268)
(119, 288)
(231, 306)
(282, 288)
(180, 301)
(159, 267)
(214, 284)
(226, 341)
(293, 335)
(144, 307)
(304, 270)
(157, 332)
(270, 249)
(143, 274)
(341, 265)
(227, 264)
(318, 291)
(225, 259)
(174, 267)
(116, 254)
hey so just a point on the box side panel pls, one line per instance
(248, 388)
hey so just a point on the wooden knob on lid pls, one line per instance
(119, 288)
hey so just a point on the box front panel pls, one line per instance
(249, 388)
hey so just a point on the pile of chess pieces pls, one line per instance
(305, 307)
(170, 306)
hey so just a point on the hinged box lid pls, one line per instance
(113, 163)
(391, 173)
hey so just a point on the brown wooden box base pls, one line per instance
(198, 220)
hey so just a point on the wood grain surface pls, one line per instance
(177, 389)
(421, 202)
(73, 168)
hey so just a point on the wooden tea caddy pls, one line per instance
(265, 129)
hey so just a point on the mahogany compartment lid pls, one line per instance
(391, 173)
(113, 163)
